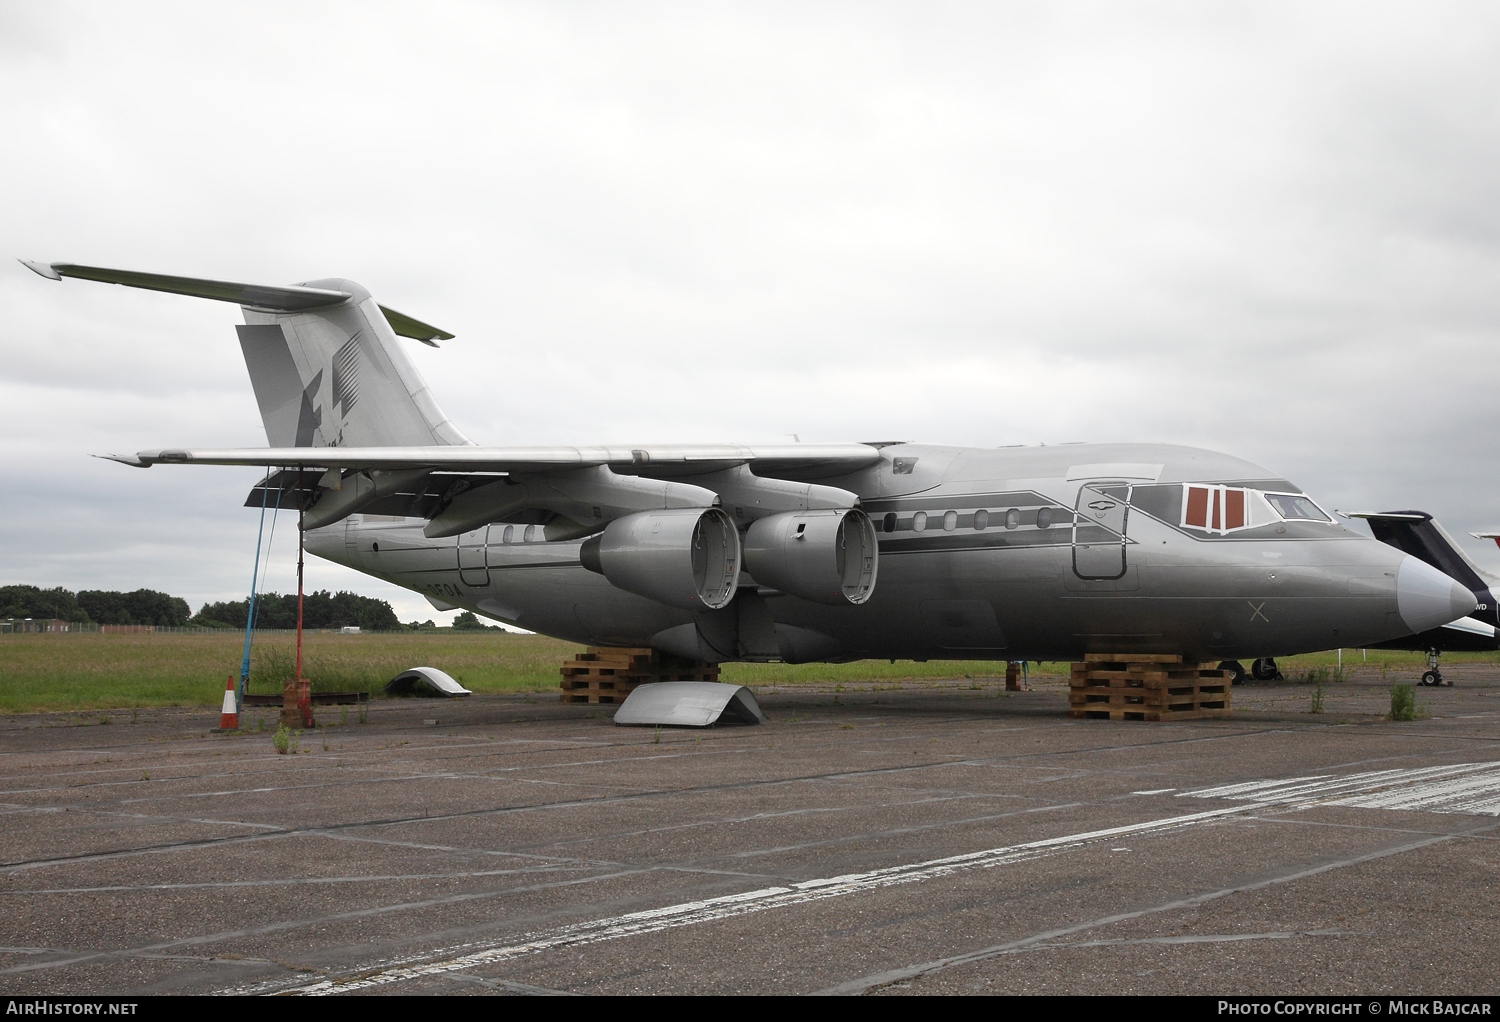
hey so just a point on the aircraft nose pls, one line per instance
(1427, 598)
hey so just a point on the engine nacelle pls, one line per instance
(683, 557)
(822, 556)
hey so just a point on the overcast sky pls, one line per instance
(1270, 229)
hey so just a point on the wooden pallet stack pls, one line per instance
(608, 674)
(1146, 686)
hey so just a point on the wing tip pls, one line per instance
(47, 270)
(132, 460)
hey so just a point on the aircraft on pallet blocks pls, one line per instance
(763, 552)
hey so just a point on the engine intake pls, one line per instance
(823, 556)
(683, 557)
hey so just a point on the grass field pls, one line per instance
(97, 672)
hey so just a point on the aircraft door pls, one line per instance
(1099, 530)
(471, 566)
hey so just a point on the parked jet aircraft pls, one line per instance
(723, 552)
(1418, 533)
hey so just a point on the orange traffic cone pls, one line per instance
(229, 717)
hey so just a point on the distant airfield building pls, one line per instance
(29, 624)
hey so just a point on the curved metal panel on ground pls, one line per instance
(426, 680)
(689, 704)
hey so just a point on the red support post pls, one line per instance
(304, 690)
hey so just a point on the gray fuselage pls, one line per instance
(1021, 553)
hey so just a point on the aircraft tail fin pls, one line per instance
(323, 358)
(336, 376)
(1419, 534)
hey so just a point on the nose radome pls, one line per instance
(1427, 598)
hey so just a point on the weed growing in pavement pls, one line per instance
(135, 713)
(145, 776)
(364, 712)
(1403, 703)
(281, 741)
(656, 737)
(104, 720)
(1315, 704)
(343, 715)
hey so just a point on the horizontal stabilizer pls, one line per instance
(264, 296)
(406, 326)
(1471, 626)
(281, 298)
(1386, 516)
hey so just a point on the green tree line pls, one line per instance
(142, 607)
(321, 609)
(148, 607)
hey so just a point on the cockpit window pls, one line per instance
(1214, 508)
(1294, 505)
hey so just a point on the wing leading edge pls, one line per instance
(652, 459)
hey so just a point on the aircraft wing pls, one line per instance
(825, 459)
(458, 488)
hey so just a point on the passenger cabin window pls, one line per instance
(1294, 505)
(1218, 509)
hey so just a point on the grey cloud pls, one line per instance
(1264, 228)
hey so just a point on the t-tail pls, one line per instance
(323, 358)
(1419, 534)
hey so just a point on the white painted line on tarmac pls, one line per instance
(688, 913)
(1470, 789)
(1038, 941)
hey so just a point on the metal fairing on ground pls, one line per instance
(425, 681)
(869, 550)
(689, 704)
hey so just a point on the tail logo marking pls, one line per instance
(346, 376)
(311, 417)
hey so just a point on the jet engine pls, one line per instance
(683, 557)
(824, 556)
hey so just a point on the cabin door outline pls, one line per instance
(1100, 529)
